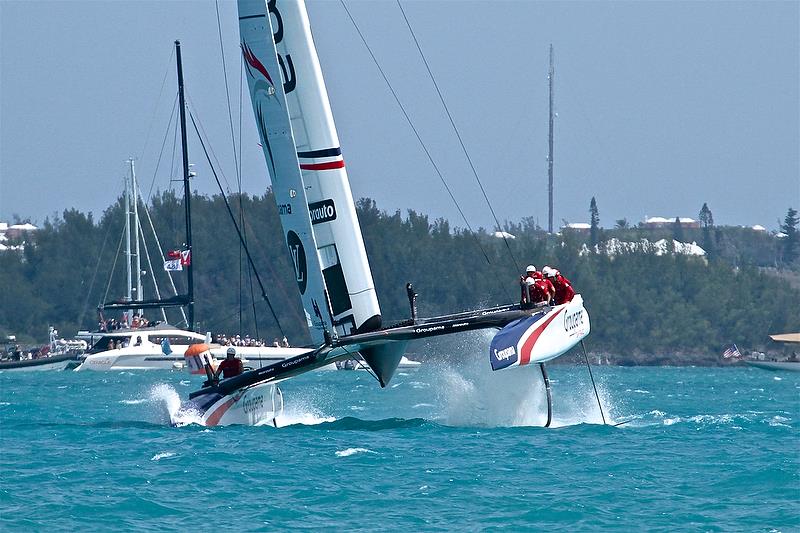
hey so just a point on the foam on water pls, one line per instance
(162, 455)
(301, 414)
(352, 451)
(134, 402)
(169, 401)
(470, 394)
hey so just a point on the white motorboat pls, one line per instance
(793, 366)
(162, 348)
(791, 363)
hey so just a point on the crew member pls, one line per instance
(525, 281)
(563, 288)
(540, 290)
(231, 366)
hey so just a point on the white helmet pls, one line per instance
(549, 272)
(231, 351)
(530, 268)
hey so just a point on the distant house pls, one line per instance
(759, 227)
(661, 222)
(615, 246)
(503, 235)
(16, 232)
(580, 227)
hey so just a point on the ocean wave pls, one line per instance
(134, 402)
(352, 451)
(162, 455)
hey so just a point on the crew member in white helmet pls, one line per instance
(231, 366)
(526, 281)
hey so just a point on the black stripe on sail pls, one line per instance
(252, 17)
(327, 152)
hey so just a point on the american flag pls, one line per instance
(731, 351)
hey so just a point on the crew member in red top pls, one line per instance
(563, 288)
(540, 290)
(525, 281)
(231, 366)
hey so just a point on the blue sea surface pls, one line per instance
(443, 447)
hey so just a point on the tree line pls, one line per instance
(645, 308)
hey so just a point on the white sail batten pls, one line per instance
(275, 130)
(340, 245)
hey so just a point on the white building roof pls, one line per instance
(662, 220)
(24, 227)
(503, 234)
(3, 226)
(615, 246)
(578, 225)
(759, 227)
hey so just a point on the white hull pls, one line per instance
(58, 365)
(252, 406)
(793, 366)
(150, 357)
(405, 363)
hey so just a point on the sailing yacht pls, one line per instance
(161, 346)
(323, 237)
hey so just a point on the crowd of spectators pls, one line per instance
(136, 322)
(238, 340)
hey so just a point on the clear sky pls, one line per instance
(661, 105)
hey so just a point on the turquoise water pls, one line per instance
(706, 449)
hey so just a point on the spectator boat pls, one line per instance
(162, 347)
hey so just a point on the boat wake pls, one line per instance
(169, 403)
(302, 415)
(469, 394)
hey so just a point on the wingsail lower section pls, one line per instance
(337, 233)
(540, 337)
(264, 78)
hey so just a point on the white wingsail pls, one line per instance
(311, 184)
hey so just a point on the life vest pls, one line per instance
(564, 290)
(231, 368)
(539, 290)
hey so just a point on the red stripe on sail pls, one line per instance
(527, 347)
(323, 166)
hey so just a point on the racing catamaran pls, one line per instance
(323, 236)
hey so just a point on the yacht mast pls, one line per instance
(129, 293)
(187, 193)
(550, 152)
(136, 231)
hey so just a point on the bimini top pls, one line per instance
(786, 337)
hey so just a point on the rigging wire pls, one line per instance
(94, 275)
(167, 70)
(233, 143)
(238, 231)
(458, 134)
(114, 265)
(161, 254)
(244, 226)
(163, 145)
(416, 133)
(152, 272)
(199, 126)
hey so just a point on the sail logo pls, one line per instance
(298, 254)
(505, 353)
(277, 35)
(284, 209)
(252, 61)
(323, 211)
